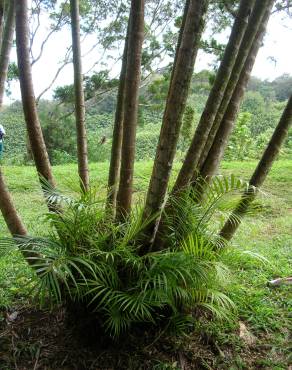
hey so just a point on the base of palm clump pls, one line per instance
(41, 339)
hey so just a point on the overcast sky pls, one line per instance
(274, 58)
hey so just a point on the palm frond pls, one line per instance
(216, 302)
(7, 246)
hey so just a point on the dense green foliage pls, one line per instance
(260, 112)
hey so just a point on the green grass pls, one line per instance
(264, 310)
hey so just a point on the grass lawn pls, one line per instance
(264, 311)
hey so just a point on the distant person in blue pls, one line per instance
(2, 134)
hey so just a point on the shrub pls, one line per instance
(89, 260)
(99, 147)
(61, 157)
(146, 144)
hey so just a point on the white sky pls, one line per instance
(274, 58)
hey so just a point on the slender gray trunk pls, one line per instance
(8, 210)
(186, 53)
(260, 173)
(214, 157)
(132, 83)
(235, 63)
(224, 106)
(180, 35)
(1, 19)
(116, 150)
(82, 152)
(34, 130)
(7, 41)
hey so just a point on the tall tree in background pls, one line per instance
(34, 130)
(7, 207)
(79, 97)
(210, 118)
(260, 172)
(131, 93)
(189, 41)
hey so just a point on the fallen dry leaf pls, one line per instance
(246, 335)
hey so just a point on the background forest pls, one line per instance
(261, 109)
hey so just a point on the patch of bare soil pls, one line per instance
(31, 339)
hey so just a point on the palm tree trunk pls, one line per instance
(132, 82)
(260, 173)
(114, 169)
(115, 161)
(82, 152)
(224, 106)
(180, 35)
(1, 19)
(7, 40)
(211, 164)
(13, 220)
(235, 64)
(34, 130)
(186, 53)
(8, 210)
